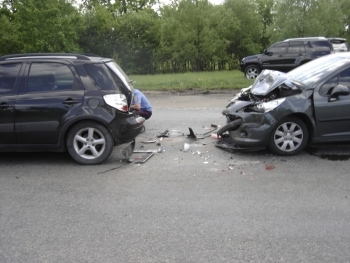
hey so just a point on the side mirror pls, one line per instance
(339, 90)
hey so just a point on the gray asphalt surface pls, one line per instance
(200, 205)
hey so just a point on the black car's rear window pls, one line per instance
(101, 76)
(320, 45)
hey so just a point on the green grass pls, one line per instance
(192, 81)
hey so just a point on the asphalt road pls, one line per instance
(200, 205)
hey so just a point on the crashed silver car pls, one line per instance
(286, 111)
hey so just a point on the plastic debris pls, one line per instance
(163, 134)
(150, 141)
(186, 147)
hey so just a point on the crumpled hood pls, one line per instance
(268, 80)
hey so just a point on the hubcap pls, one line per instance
(89, 143)
(252, 73)
(288, 137)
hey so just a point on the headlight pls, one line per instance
(117, 101)
(270, 105)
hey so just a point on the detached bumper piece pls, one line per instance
(226, 143)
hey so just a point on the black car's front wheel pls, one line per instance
(289, 137)
(89, 143)
(251, 72)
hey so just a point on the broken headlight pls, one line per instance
(268, 106)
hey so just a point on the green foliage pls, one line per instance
(46, 25)
(186, 35)
(302, 18)
(137, 39)
(97, 36)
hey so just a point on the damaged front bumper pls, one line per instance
(249, 130)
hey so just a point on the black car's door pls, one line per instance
(333, 116)
(295, 53)
(52, 95)
(274, 57)
(8, 76)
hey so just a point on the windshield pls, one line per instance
(313, 71)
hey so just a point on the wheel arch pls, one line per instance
(253, 64)
(68, 126)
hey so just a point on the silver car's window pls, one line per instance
(343, 78)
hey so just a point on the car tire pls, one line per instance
(289, 137)
(89, 143)
(252, 72)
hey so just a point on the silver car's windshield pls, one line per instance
(315, 70)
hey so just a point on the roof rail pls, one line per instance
(45, 55)
(305, 38)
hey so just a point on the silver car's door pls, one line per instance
(333, 116)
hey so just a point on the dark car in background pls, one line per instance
(291, 53)
(286, 111)
(59, 102)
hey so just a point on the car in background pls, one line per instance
(291, 53)
(286, 111)
(65, 102)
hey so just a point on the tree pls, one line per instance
(46, 25)
(97, 35)
(246, 38)
(305, 18)
(190, 36)
(137, 39)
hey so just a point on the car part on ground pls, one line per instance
(64, 101)
(291, 53)
(286, 111)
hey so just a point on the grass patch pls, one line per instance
(190, 81)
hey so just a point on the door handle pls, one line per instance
(70, 101)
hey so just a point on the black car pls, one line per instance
(59, 102)
(291, 53)
(287, 111)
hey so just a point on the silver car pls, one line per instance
(286, 111)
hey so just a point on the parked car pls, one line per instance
(59, 102)
(291, 53)
(286, 111)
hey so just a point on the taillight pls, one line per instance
(117, 101)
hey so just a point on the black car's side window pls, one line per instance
(295, 47)
(49, 77)
(321, 46)
(279, 48)
(8, 76)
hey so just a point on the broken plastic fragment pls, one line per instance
(186, 147)
(163, 134)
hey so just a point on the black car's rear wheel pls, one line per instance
(252, 72)
(89, 143)
(289, 137)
